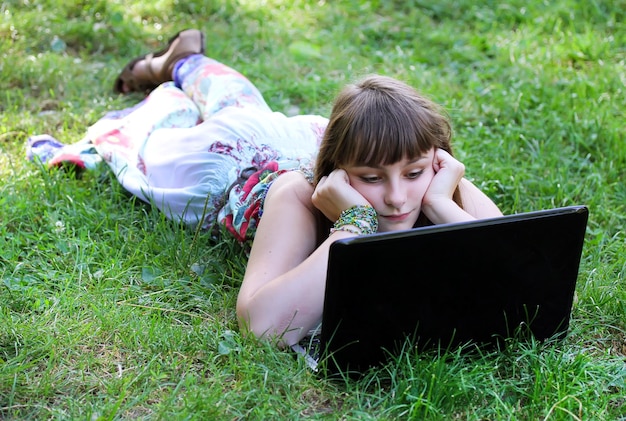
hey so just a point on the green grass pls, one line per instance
(110, 311)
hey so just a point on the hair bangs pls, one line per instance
(383, 135)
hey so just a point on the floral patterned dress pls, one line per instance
(203, 149)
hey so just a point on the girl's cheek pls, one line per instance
(366, 191)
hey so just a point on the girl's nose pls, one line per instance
(395, 195)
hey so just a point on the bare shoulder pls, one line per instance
(288, 225)
(477, 203)
(291, 186)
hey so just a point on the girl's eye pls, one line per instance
(414, 174)
(370, 179)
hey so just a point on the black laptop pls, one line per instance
(451, 285)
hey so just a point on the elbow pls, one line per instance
(265, 325)
(250, 323)
(247, 325)
(244, 319)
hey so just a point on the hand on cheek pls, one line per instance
(448, 173)
(334, 194)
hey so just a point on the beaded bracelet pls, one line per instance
(360, 220)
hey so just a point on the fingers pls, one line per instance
(437, 160)
(443, 160)
(448, 173)
(334, 194)
(322, 181)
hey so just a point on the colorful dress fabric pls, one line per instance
(185, 149)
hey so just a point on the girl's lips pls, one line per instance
(396, 218)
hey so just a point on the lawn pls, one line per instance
(110, 311)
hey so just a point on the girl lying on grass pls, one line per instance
(205, 148)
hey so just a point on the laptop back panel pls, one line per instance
(448, 285)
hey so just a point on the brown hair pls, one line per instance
(381, 120)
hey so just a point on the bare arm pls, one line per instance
(282, 293)
(476, 203)
(438, 205)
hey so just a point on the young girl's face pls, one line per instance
(396, 190)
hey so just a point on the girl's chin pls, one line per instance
(395, 227)
(388, 224)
